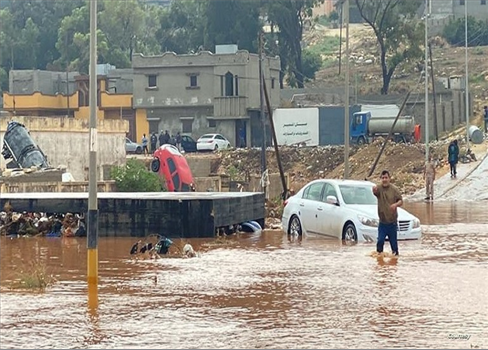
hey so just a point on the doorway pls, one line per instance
(241, 133)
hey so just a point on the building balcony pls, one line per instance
(230, 106)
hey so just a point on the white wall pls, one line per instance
(297, 125)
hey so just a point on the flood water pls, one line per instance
(261, 292)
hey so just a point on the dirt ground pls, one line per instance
(366, 72)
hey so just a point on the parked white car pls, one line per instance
(132, 147)
(344, 209)
(212, 142)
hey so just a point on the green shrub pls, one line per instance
(135, 177)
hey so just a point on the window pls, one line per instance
(273, 83)
(483, 2)
(329, 191)
(314, 192)
(171, 165)
(236, 78)
(193, 81)
(152, 80)
(212, 123)
(176, 182)
(187, 125)
(229, 84)
(221, 85)
(461, 2)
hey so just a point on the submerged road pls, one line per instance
(260, 291)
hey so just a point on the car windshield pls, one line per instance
(358, 194)
(207, 137)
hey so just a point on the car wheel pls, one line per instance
(295, 226)
(216, 147)
(155, 165)
(138, 150)
(228, 146)
(361, 140)
(349, 235)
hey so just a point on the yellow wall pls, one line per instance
(115, 100)
(142, 125)
(38, 101)
(84, 113)
(61, 124)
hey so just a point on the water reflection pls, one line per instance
(258, 291)
(438, 213)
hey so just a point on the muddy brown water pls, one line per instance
(262, 291)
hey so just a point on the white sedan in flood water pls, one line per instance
(344, 209)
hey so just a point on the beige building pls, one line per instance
(324, 8)
(205, 92)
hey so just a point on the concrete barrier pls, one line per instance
(54, 186)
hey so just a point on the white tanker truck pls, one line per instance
(365, 127)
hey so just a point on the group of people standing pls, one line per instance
(164, 139)
(430, 165)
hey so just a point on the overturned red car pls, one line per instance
(170, 164)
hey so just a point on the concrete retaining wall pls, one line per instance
(65, 142)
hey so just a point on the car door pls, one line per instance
(188, 144)
(220, 141)
(332, 212)
(311, 207)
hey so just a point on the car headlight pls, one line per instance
(368, 221)
(416, 223)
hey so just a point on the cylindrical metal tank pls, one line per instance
(404, 125)
(475, 134)
(18, 145)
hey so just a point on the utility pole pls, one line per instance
(263, 119)
(426, 87)
(341, 22)
(467, 75)
(346, 102)
(67, 71)
(92, 233)
(436, 132)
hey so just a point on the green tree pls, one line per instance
(46, 16)
(74, 41)
(397, 31)
(9, 38)
(135, 177)
(29, 44)
(3, 79)
(311, 62)
(182, 26)
(454, 32)
(124, 23)
(290, 16)
(232, 22)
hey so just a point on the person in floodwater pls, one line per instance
(389, 199)
(162, 247)
(429, 177)
(135, 248)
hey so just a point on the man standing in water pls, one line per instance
(429, 177)
(389, 199)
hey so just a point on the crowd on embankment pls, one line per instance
(13, 224)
